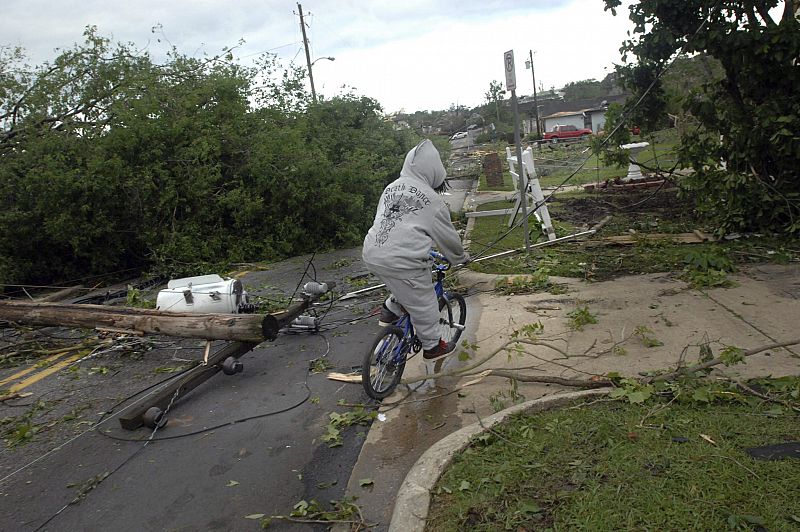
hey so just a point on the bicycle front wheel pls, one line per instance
(384, 363)
(452, 317)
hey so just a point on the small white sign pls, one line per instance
(511, 75)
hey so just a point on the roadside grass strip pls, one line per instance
(660, 465)
(635, 215)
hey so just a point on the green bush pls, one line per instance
(137, 165)
(743, 136)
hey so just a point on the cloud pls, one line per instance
(415, 54)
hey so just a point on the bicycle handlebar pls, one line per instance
(438, 256)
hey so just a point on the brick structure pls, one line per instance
(492, 170)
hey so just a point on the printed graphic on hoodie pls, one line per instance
(396, 206)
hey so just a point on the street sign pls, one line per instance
(511, 76)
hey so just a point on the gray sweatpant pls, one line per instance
(416, 294)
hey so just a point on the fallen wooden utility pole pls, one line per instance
(234, 327)
(152, 412)
(245, 331)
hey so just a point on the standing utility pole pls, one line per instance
(511, 85)
(308, 55)
(535, 101)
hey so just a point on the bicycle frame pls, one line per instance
(401, 350)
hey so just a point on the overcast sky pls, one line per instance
(407, 54)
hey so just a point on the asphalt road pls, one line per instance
(235, 446)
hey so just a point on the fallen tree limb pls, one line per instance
(577, 383)
(719, 360)
(465, 371)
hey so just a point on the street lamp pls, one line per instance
(529, 64)
(311, 75)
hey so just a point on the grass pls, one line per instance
(555, 162)
(664, 213)
(488, 229)
(597, 468)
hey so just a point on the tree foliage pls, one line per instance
(495, 95)
(109, 161)
(746, 145)
(588, 88)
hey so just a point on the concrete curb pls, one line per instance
(413, 498)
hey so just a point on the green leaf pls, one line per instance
(300, 509)
(616, 393)
(231, 483)
(702, 395)
(365, 482)
(639, 396)
(254, 516)
(731, 355)
(464, 486)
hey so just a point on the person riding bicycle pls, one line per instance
(410, 220)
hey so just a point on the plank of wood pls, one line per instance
(681, 238)
(344, 377)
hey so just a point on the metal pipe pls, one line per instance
(351, 295)
(539, 245)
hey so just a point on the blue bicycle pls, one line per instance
(385, 361)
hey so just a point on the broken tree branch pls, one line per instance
(719, 360)
(577, 383)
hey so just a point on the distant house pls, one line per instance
(593, 118)
(597, 118)
(585, 113)
(564, 118)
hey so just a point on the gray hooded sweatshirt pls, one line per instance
(412, 218)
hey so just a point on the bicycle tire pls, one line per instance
(452, 311)
(376, 369)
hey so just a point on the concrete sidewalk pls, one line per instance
(763, 309)
(631, 312)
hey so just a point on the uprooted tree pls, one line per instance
(111, 161)
(746, 143)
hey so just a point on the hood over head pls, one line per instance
(424, 162)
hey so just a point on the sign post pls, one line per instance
(511, 85)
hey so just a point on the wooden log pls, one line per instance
(234, 327)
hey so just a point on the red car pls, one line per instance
(566, 132)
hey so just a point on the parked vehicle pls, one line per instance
(566, 132)
(459, 135)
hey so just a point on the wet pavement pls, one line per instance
(235, 446)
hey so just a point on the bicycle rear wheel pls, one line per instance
(384, 363)
(452, 317)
